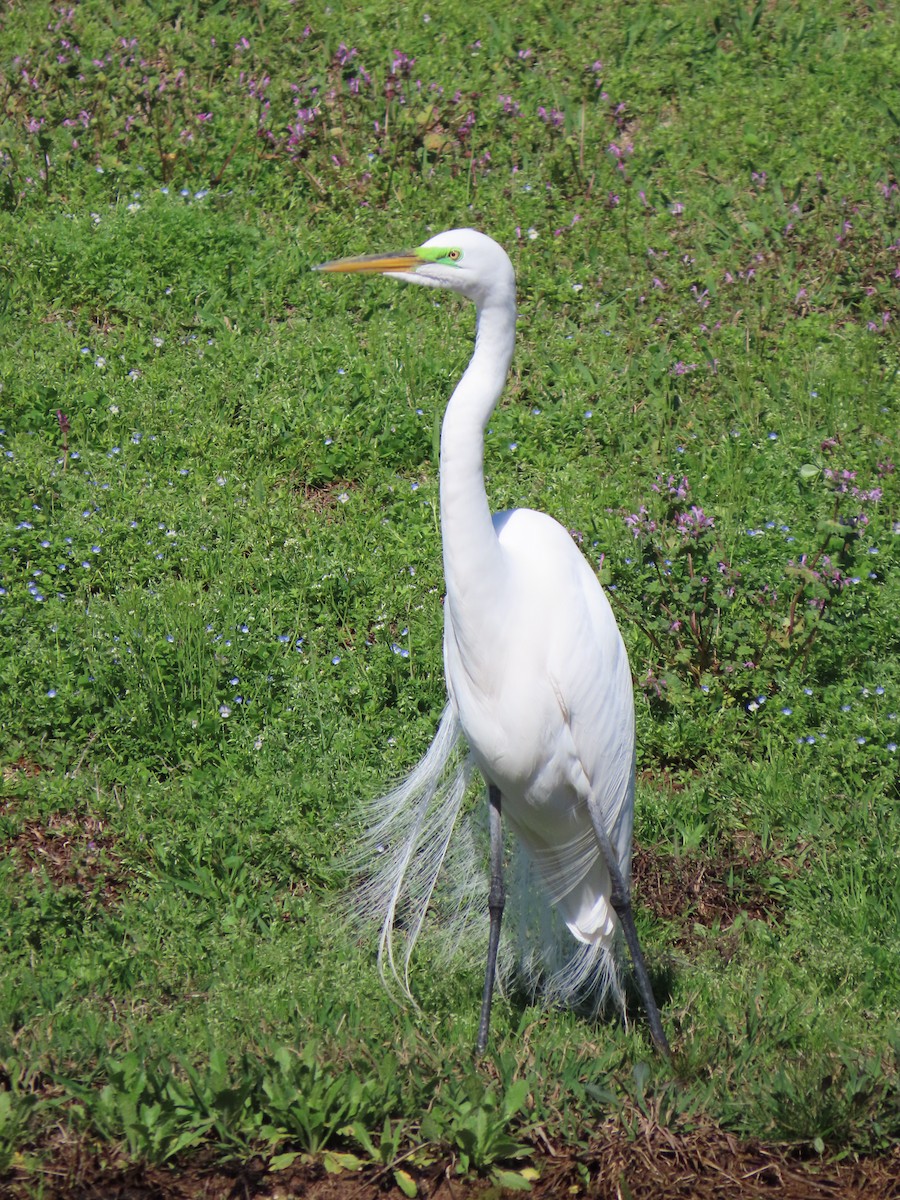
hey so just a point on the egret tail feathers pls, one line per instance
(407, 836)
(414, 831)
(561, 964)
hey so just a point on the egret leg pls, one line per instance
(620, 899)
(496, 898)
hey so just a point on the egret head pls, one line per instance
(462, 260)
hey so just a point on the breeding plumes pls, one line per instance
(538, 682)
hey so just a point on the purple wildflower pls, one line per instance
(552, 117)
(693, 523)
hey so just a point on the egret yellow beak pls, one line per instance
(376, 264)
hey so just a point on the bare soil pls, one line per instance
(72, 849)
(649, 1163)
(709, 890)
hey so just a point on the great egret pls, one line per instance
(537, 676)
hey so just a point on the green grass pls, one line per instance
(221, 606)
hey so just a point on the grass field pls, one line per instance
(220, 578)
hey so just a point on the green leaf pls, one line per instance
(406, 1184)
(516, 1181)
(282, 1161)
(336, 1161)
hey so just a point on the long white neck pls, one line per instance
(473, 564)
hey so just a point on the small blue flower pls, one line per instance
(786, 712)
(52, 693)
(335, 660)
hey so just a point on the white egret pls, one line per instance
(537, 676)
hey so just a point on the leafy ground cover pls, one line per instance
(220, 585)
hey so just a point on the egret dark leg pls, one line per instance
(620, 899)
(495, 908)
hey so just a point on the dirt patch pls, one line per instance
(73, 850)
(320, 499)
(707, 890)
(641, 1162)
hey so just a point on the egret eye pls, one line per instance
(453, 255)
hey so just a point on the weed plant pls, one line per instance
(220, 580)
